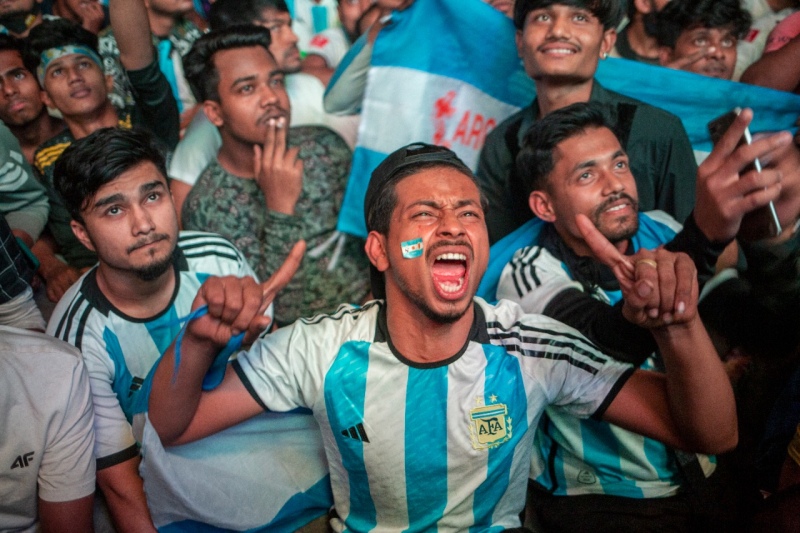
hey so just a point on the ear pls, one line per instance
(542, 206)
(375, 248)
(46, 100)
(109, 83)
(664, 55)
(609, 39)
(80, 232)
(518, 40)
(213, 112)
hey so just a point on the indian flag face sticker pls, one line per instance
(411, 249)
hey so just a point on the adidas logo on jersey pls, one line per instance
(22, 460)
(356, 432)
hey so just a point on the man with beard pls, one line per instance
(124, 313)
(425, 399)
(271, 185)
(70, 71)
(17, 17)
(701, 36)
(561, 43)
(573, 163)
(636, 41)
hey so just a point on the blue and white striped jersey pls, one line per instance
(574, 456)
(183, 484)
(417, 447)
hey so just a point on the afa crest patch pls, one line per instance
(489, 426)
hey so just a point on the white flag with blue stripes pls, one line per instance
(447, 71)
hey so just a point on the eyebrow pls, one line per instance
(592, 162)
(114, 198)
(436, 205)
(243, 79)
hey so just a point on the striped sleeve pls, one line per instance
(533, 278)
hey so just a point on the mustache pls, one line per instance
(443, 244)
(613, 199)
(144, 242)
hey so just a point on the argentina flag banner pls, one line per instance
(447, 72)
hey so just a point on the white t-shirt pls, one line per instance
(47, 440)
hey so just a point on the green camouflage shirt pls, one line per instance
(335, 269)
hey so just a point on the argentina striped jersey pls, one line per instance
(426, 447)
(576, 456)
(252, 463)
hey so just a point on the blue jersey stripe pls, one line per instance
(426, 445)
(345, 389)
(503, 386)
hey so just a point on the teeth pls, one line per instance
(451, 286)
(618, 207)
(560, 51)
(451, 257)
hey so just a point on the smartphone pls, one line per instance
(763, 222)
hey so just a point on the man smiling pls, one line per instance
(425, 399)
(574, 165)
(561, 43)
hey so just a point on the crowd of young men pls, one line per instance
(197, 397)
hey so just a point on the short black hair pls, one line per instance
(91, 162)
(227, 13)
(609, 12)
(198, 64)
(53, 33)
(535, 158)
(679, 16)
(9, 42)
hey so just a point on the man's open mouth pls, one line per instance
(450, 273)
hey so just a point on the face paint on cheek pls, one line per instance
(412, 249)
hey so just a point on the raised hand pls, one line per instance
(237, 305)
(725, 190)
(278, 170)
(659, 288)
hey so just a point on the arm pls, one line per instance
(179, 410)
(74, 516)
(691, 407)
(124, 492)
(132, 31)
(23, 200)
(58, 276)
(279, 175)
(67, 471)
(777, 70)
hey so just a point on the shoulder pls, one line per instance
(25, 344)
(507, 322)
(49, 151)
(315, 141)
(209, 253)
(81, 308)
(511, 123)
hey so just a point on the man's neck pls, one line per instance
(133, 296)
(84, 125)
(553, 95)
(161, 24)
(422, 340)
(34, 133)
(236, 157)
(640, 42)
